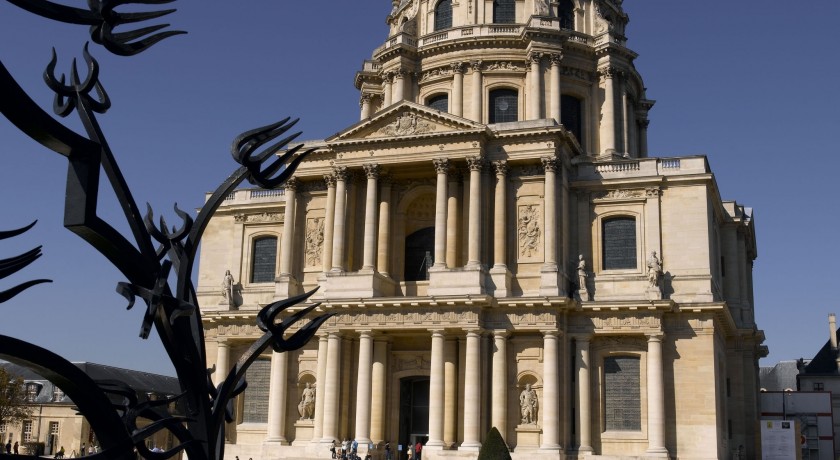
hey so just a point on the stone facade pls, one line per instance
(445, 231)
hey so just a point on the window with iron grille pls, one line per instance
(504, 11)
(439, 102)
(566, 14)
(443, 15)
(255, 408)
(27, 431)
(504, 105)
(264, 260)
(622, 393)
(619, 243)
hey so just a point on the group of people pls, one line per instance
(349, 450)
(12, 449)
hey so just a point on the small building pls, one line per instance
(55, 422)
(822, 373)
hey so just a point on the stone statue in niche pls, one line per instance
(528, 405)
(581, 273)
(541, 8)
(654, 266)
(306, 407)
(228, 286)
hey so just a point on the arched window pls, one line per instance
(443, 15)
(504, 11)
(504, 105)
(566, 14)
(419, 248)
(619, 243)
(622, 393)
(571, 114)
(264, 260)
(439, 102)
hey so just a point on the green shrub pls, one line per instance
(494, 447)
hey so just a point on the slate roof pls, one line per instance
(824, 362)
(779, 377)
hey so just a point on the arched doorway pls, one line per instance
(414, 411)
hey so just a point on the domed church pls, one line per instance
(499, 250)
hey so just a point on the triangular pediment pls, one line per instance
(407, 120)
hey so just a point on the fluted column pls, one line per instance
(450, 398)
(364, 103)
(472, 392)
(379, 390)
(500, 220)
(277, 390)
(287, 238)
(478, 91)
(550, 165)
(399, 85)
(474, 249)
(222, 362)
(457, 103)
(556, 91)
(369, 251)
(499, 413)
(387, 89)
(436, 392)
(550, 412)
(452, 219)
(384, 246)
(329, 221)
(441, 167)
(331, 390)
(363, 387)
(320, 386)
(656, 397)
(608, 139)
(535, 89)
(584, 403)
(338, 223)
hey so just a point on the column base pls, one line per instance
(458, 281)
(470, 446)
(434, 445)
(500, 281)
(657, 452)
(286, 286)
(278, 441)
(356, 284)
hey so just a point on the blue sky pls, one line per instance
(751, 84)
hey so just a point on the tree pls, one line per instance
(14, 409)
(494, 447)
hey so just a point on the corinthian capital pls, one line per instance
(501, 167)
(610, 71)
(291, 184)
(371, 171)
(550, 164)
(475, 163)
(329, 179)
(441, 165)
(556, 58)
(341, 173)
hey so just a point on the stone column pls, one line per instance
(384, 247)
(643, 146)
(474, 249)
(450, 398)
(379, 390)
(222, 362)
(452, 219)
(584, 403)
(656, 397)
(436, 392)
(478, 91)
(287, 239)
(338, 223)
(555, 88)
(550, 165)
(364, 103)
(329, 222)
(331, 390)
(441, 167)
(608, 140)
(277, 390)
(457, 103)
(369, 251)
(363, 388)
(500, 221)
(549, 413)
(535, 89)
(625, 118)
(386, 89)
(499, 413)
(472, 392)
(399, 85)
(320, 386)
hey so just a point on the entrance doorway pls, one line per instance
(414, 412)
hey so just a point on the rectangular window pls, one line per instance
(619, 240)
(54, 428)
(3, 427)
(818, 386)
(622, 393)
(256, 393)
(264, 260)
(27, 431)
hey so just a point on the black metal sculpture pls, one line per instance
(158, 253)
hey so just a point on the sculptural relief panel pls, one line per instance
(529, 231)
(314, 239)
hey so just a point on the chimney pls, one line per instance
(832, 333)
